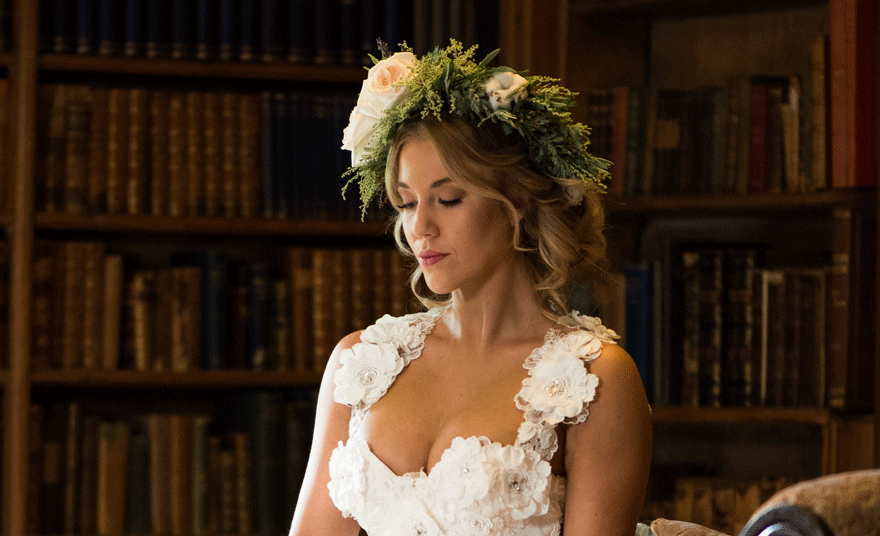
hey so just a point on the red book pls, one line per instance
(853, 72)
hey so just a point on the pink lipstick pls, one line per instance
(430, 257)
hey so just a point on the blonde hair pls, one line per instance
(560, 243)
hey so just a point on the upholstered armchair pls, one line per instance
(843, 504)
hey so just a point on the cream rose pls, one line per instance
(505, 88)
(381, 90)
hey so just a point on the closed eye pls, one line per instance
(444, 202)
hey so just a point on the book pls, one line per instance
(180, 463)
(302, 16)
(249, 155)
(280, 357)
(271, 30)
(211, 175)
(112, 312)
(113, 449)
(230, 168)
(206, 29)
(853, 62)
(72, 469)
(76, 151)
(43, 298)
(186, 318)
(710, 299)
(88, 462)
(140, 301)
(258, 304)
(772, 337)
(811, 371)
(195, 154)
(159, 433)
(227, 42)
(302, 286)
(200, 500)
(690, 353)
(268, 442)
(137, 493)
(117, 150)
(96, 195)
(852, 286)
(53, 189)
(109, 27)
(177, 156)
(133, 32)
(738, 326)
(248, 47)
(792, 341)
(639, 320)
(73, 304)
(138, 149)
(322, 308)
(93, 290)
(182, 29)
(158, 29)
(159, 164)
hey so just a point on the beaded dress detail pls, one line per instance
(478, 487)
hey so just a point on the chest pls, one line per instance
(438, 398)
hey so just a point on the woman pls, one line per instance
(472, 417)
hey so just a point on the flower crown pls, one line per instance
(449, 81)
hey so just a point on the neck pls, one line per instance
(504, 309)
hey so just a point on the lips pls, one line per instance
(430, 257)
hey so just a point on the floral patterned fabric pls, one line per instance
(478, 487)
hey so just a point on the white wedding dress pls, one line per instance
(477, 487)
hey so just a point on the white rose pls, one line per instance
(381, 90)
(505, 88)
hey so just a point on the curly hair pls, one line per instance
(561, 243)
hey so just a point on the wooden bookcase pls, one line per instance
(587, 43)
(684, 45)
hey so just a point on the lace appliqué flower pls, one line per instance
(348, 479)
(590, 324)
(389, 329)
(366, 373)
(559, 388)
(519, 483)
(411, 519)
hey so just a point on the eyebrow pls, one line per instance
(435, 184)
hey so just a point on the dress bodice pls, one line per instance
(478, 487)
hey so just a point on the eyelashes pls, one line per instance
(446, 203)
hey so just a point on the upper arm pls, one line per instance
(607, 457)
(316, 515)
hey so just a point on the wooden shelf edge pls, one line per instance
(726, 205)
(209, 226)
(201, 69)
(690, 415)
(184, 380)
(682, 8)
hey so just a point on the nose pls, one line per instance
(423, 222)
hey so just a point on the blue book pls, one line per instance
(182, 29)
(158, 29)
(206, 28)
(301, 17)
(62, 19)
(228, 21)
(270, 31)
(267, 128)
(349, 44)
(109, 29)
(86, 33)
(398, 19)
(258, 300)
(324, 33)
(134, 28)
(247, 35)
(639, 320)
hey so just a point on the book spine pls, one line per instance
(160, 115)
(201, 505)
(180, 454)
(258, 304)
(73, 304)
(109, 35)
(142, 288)
(270, 30)
(280, 321)
(96, 196)
(72, 469)
(301, 17)
(182, 29)
(137, 186)
(215, 282)
(757, 161)
(322, 303)
(342, 311)
(227, 22)
(86, 34)
(93, 308)
(302, 286)
(159, 432)
(195, 153)
(349, 45)
(241, 445)
(212, 153)
(811, 391)
(177, 156)
(43, 299)
(773, 337)
(113, 448)
(88, 461)
(133, 38)
(76, 152)
(248, 49)
(711, 278)
(793, 327)
(268, 480)
(690, 387)
(162, 311)
(206, 27)
(55, 152)
(738, 327)
(230, 176)
(268, 121)
(35, 511)
(112, 309)
(137, 508)
(323, 35)
(62, 33)
(639, 321)
(249, 154)
(157, 31)
(117, 150)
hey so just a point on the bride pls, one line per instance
(497, 411)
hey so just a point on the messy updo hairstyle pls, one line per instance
(561, 242)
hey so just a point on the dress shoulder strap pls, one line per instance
(559, 386)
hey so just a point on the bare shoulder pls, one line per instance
(618, 376)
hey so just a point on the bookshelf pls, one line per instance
(685, 45)
(25, 383)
